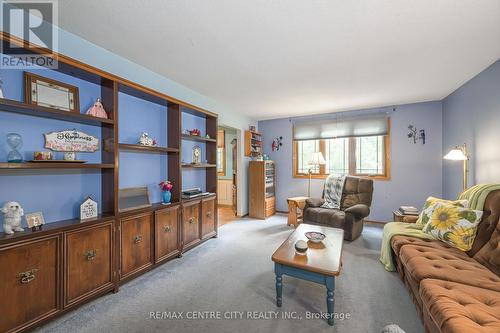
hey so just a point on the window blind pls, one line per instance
(341, 127)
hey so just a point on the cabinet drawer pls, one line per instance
(89, 262)
(208, 218)
(29, 282)
(166, 233)
(136, 244)
(191, 223)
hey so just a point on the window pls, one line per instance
(358, 156)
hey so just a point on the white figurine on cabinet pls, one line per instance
(12, 213)
(145, 140)
(88, 209)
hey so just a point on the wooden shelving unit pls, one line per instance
(62, 165)
(201, 166)
(127, 244)
(146, 149)
(197, 138)
(44, 112)
(253, 144)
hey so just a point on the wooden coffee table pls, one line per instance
(321, 264)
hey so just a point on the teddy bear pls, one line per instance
(12, 217)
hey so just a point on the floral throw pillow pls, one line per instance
(456, 226)
(423, 217)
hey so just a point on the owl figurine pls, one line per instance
(97, 110)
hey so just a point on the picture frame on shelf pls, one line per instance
(35, 221)
(71, 141)
(133, 198)
(42, 91)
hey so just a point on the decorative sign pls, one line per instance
(88, 209)
(71, 141)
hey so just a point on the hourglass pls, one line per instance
(14, 141)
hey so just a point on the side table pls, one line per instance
(399, 217)
(295, 207)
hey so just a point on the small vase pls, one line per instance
(167, 196)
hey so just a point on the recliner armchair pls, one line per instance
(354, 207)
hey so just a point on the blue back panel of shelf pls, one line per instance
(55, 193)
(142, 169)
(193, 177)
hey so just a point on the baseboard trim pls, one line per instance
(374, 222)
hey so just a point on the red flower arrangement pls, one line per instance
(195, 132)
(166, 185)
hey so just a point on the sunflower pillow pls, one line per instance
(424, 217)
(456, 226)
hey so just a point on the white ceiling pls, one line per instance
(277, 58)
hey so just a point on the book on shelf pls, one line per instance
(408, 210)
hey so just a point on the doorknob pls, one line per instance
(167, 228)
(137, 239)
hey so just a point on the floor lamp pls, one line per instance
(316, 160)
(459, 153)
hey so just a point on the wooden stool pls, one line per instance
(295, 207)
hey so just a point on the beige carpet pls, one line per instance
(233, 276)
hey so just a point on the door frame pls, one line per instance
(239, 166)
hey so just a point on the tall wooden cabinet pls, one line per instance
(262, 187)
(46, 273)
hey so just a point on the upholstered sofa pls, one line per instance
(354, 207)
(455, 291)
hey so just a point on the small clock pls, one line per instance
(88, 209)
(196, 155)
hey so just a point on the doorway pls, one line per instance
(227, 174)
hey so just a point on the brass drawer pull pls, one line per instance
(192, 220)
(167, 228)
(91, 254)
(209, 214)
(137, 239)
(28, 276)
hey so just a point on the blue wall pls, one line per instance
(471, 114)
(55, 193)
(139, 169)
(193, 177)
(415, 168)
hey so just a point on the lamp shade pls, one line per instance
(456, 154)
(317, 159)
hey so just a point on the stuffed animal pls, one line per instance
(12, 213)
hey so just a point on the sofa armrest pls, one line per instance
(314, 202)
(360, 211)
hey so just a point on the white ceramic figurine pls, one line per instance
(12, 213)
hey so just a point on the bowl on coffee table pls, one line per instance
(315, 237)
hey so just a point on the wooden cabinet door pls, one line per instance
(136, 243)
(29, 282)
(208, 218)
(191, 223)
(89, 262)
(166, 233)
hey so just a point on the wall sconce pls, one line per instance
(416, 135)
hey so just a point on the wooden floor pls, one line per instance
(226, 215)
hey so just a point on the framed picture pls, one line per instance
(35, 220)
(133, 198)
(50, 93)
